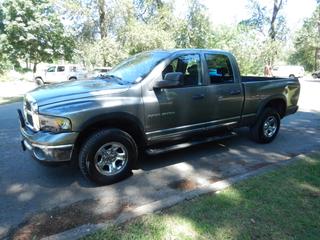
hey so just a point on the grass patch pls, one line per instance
(284, 204)
(6, 100)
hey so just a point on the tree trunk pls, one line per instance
(102, 18)
(316, 59)
(35, 67)
(277, 4)
(102, 23)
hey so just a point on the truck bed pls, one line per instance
(259, 90)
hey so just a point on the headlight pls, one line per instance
(54, 124)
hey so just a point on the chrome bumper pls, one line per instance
(44, 153)
(45, 146)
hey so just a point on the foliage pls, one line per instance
(103, 32)
(270, 24)
(96, 53)
(194, 31)
(306, 42)
(31, 30)
(141, 37)
(267, 18)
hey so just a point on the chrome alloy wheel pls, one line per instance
(270, 126)
(111, 158)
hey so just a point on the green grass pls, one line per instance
(284, 204)
(6, 100)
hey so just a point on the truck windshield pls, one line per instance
(135, 68)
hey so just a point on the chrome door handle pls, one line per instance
(198, 96)
(234, 92)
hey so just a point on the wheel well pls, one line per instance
(72, 78)
(125, 125)
(279, 105)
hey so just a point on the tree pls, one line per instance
(32, 31)
(194, 31)
(271, 24)
(138, 37)
(307, 43)
(145, 10)
(104, 51)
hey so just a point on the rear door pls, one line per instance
(225, 94)
(61, 74)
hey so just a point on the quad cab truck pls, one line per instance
(153, 102)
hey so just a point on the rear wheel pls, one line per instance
(72, 78)
(108, 156)
(267, 126)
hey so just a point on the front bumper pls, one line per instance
(48, 147)
(292, 110)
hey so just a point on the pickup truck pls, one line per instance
(152, 102)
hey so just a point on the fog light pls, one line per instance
(39, 153)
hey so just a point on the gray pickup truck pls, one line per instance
(152, 102)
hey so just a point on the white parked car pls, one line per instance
(60, 73)
(288, 71)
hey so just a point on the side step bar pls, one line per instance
(169, 148)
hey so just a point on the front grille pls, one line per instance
(29, 120)
(28, 114)
(28, 105)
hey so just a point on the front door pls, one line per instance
(51, 74)
(182, 109)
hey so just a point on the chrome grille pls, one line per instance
(28, 114)
(27, 105)
(29, 119)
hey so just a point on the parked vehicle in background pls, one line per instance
(288, 71)
(60, 73)
(316, 74)
(154, 101)
(97, 72)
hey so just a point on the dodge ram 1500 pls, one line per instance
(153, 101)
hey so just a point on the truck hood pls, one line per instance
(71, 90)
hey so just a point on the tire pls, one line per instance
(39, 81)
(315, 76)
(291, 76)
(106, 147)
(72, 79)
(261, 134)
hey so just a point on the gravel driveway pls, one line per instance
(27, 187)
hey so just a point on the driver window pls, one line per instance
(190, 66)
(51, 69)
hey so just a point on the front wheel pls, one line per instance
(39, 81)
(108, 156)
(267, 126)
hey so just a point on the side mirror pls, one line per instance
(172, 79)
